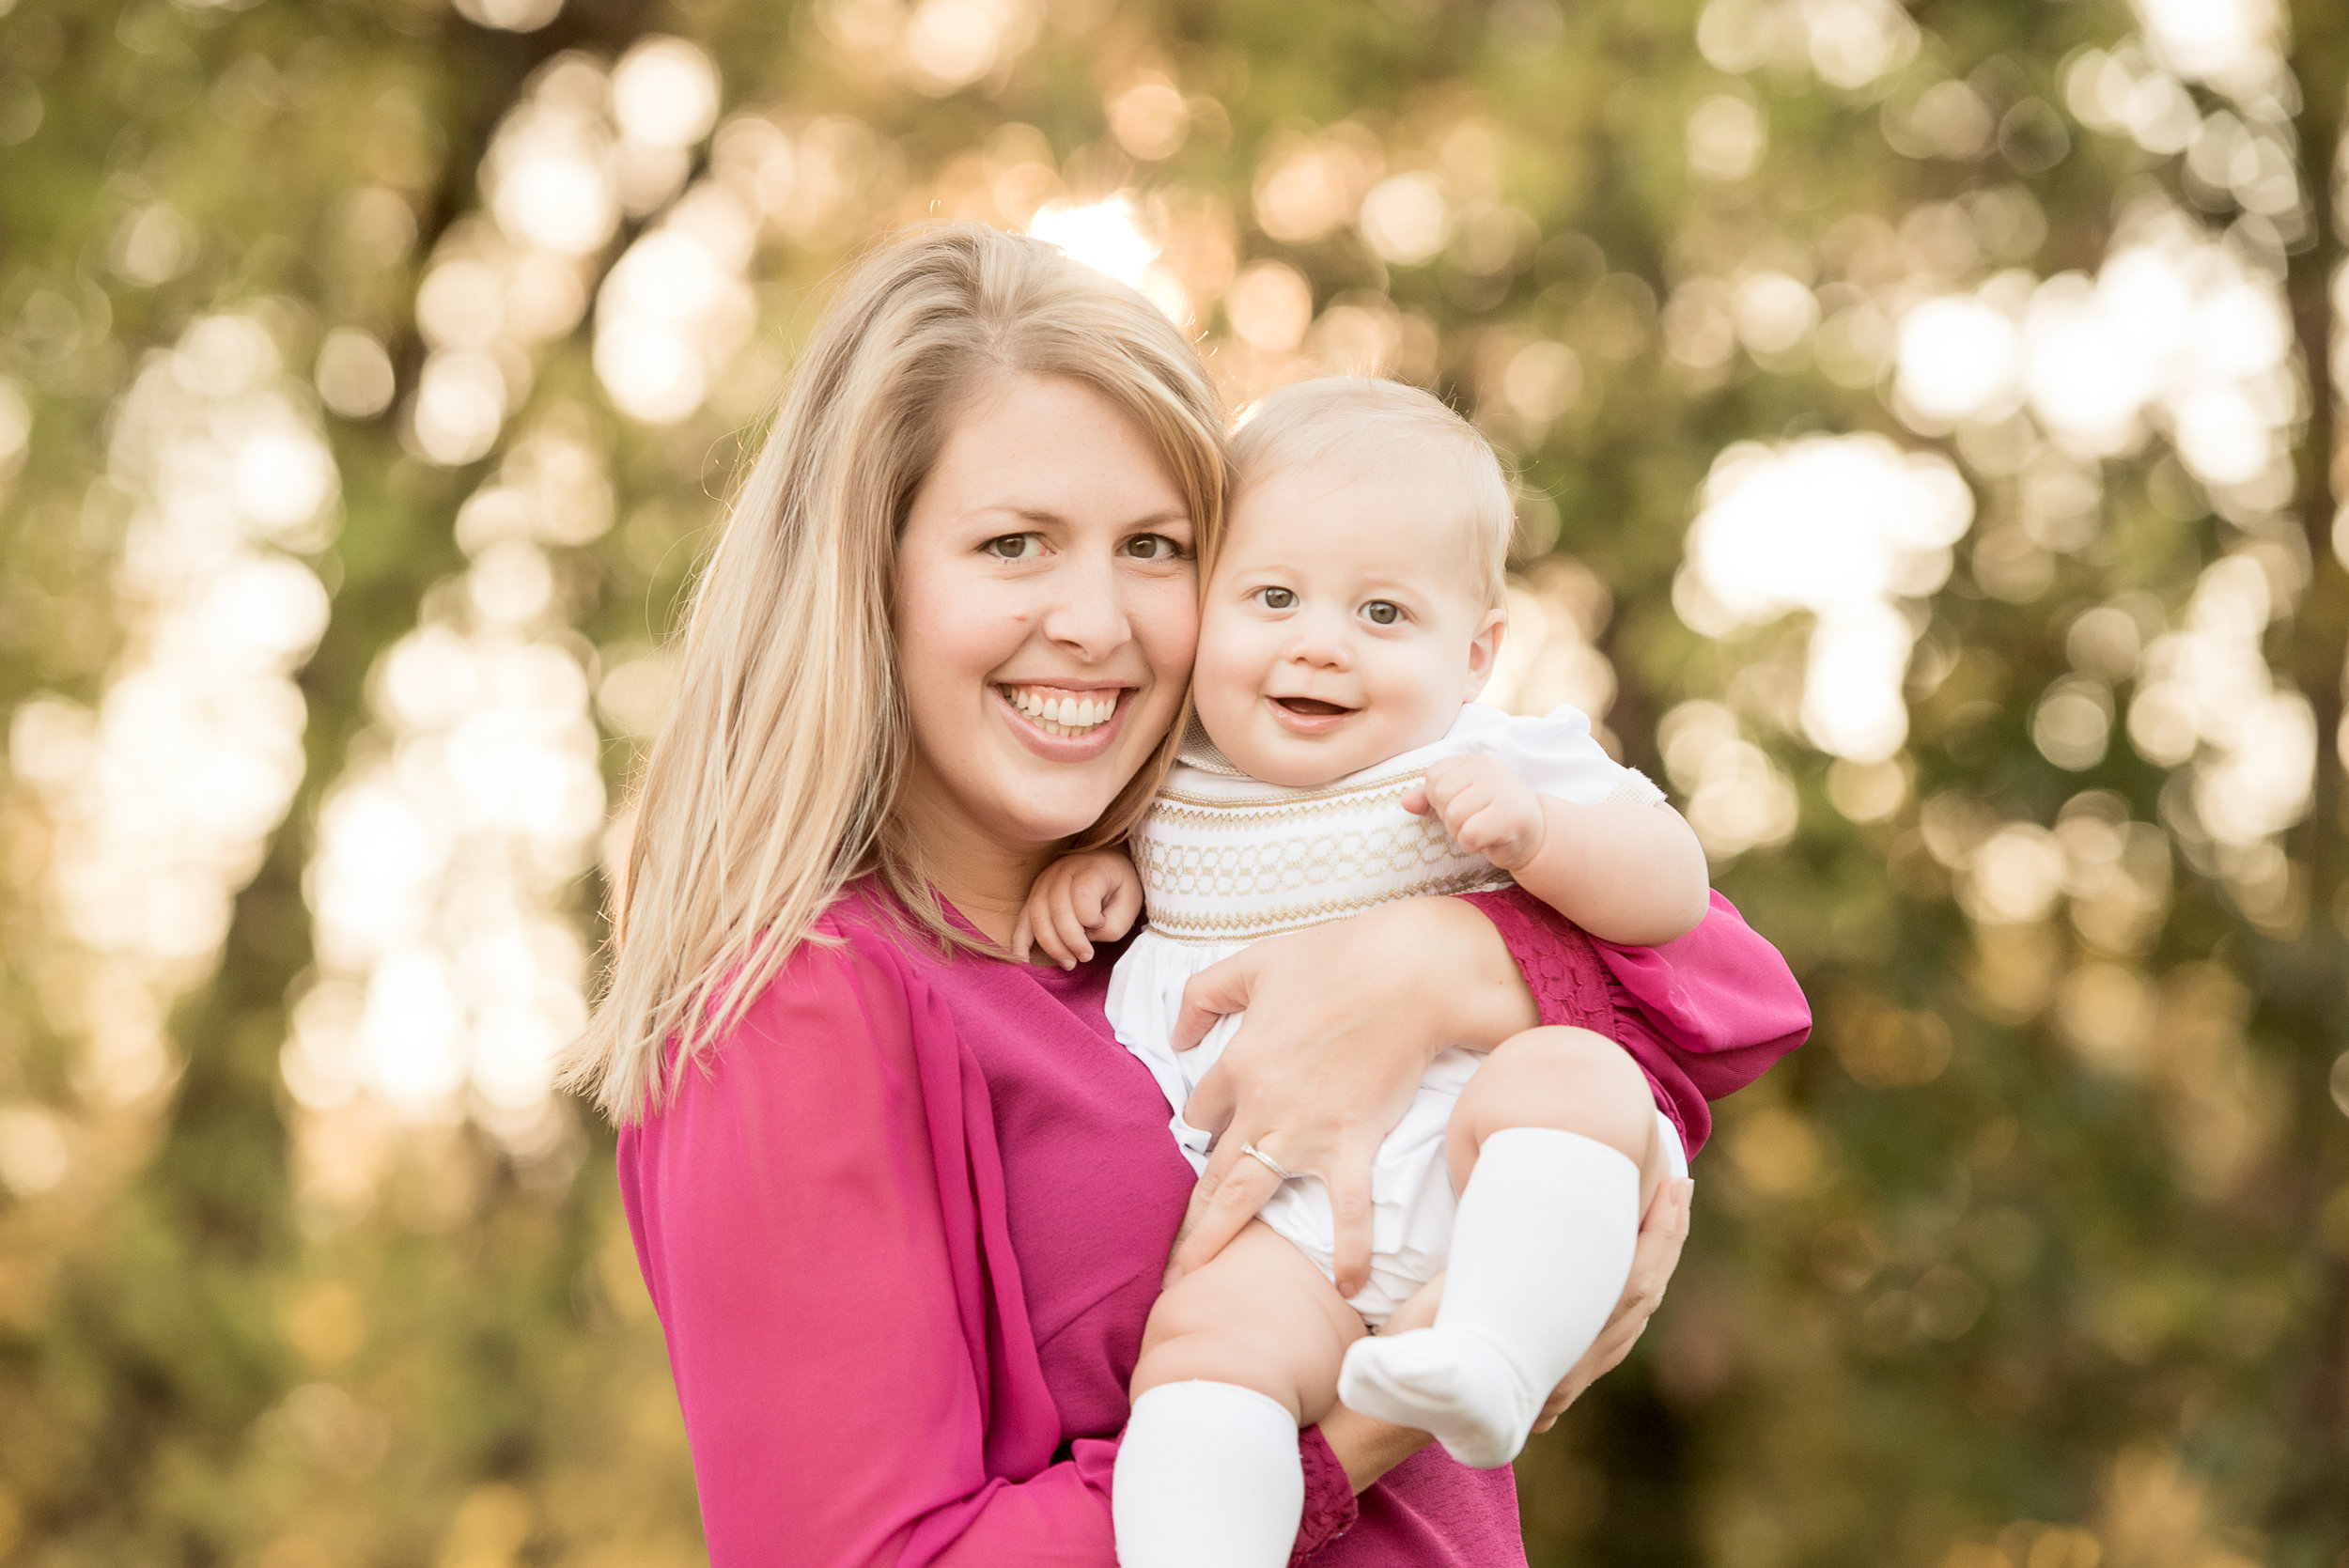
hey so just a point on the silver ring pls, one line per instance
(1267, 1160)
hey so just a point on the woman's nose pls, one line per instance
(1087, 614)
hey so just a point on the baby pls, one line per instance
(1339, 761)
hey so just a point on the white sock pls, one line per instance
(1208, 1477)
(1540, 1251)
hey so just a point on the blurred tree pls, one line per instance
(370, 377)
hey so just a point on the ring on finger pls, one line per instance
(1266, 1161)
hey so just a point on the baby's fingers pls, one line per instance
(1046, 933)
(1071, 926)
(1463, 808)
(1089, 898)
(1022, 938)
(1479, 829)
(1415, 801)
(1124, 906)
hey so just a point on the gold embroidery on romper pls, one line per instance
(1300, 916)
(1345, 849)
(1363, 793)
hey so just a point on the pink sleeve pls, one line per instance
(1704, 1016)
(1721, 997)
(819, 1217)
(840, 1356)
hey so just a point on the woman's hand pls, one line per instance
(1343, 1020)
(1369, 1448)
(1662, 1234)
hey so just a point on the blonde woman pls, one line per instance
(903, 1205)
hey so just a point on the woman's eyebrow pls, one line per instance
(1046, 515)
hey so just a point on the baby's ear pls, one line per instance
(1484, 651)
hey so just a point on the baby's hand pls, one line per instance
(1487, 810)
(1078, 900)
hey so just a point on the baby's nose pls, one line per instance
(1321, 645)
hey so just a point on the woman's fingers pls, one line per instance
(1214, 991)
(1209, 1109)
(1348, 1183)
(1221, 1205)
(1663, 1234)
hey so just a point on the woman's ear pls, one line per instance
(1484, 651)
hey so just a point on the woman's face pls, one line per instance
(1046, 609)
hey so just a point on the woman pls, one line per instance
(903, 1205)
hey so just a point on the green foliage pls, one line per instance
(2037, 1258)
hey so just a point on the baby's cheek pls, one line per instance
(1227, 668)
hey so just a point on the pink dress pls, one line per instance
(903, 1228)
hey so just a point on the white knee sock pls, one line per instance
(1540, 1253)
(1208, 1477)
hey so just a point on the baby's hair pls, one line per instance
(1368, 419)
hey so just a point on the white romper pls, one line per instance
(1225, 860)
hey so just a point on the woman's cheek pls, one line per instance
(1168, 629)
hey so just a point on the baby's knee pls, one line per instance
(1214, 1355)
(1569, 1078)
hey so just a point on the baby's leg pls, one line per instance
(1566, 1079)
(1555, 1152)
(1236, 1356)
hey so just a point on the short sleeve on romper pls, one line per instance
(1556, 755)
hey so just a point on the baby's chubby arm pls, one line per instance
(1078, 900)
(1627, 872)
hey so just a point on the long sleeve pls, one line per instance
(819, 1215)
(1704, 1016)
(814, 1223)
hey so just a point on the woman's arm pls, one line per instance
(812, 1216)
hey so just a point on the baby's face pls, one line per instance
(1346, 622)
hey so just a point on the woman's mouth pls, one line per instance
(1061, 712)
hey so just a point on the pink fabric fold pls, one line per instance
(1704, 1016)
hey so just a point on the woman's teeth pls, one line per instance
(1063, 715)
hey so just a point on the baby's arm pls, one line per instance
(1627, 872)
(1075, 901)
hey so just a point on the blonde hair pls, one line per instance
(775, 779)
(1371, 421)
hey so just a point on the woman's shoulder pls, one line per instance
(846, 982)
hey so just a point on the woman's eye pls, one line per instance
(1014, 547)
(1276, 598)
(1153, 547)
(1381, 612)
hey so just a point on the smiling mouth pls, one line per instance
(1311, 707)
(1062, 713)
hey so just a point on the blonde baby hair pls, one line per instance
(1368, 420)
(776, 778)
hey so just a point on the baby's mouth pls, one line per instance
(1310, 707)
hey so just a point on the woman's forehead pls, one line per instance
(1052, 448)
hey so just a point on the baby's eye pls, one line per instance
(1014, 546)
(1382, 612)
(1153, 547)
(1275, 599)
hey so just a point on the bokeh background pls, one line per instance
(1926, 417)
